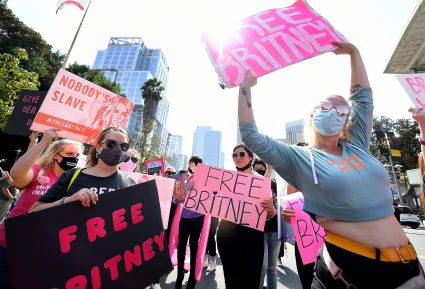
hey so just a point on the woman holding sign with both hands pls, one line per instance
(241, 248)
(365, 246)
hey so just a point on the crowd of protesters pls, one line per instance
(364, 240)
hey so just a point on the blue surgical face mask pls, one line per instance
(328, 123)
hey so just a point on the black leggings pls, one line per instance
(241, 252)
(361, 271)
(188, 228)
(212, 247)
(305, 272)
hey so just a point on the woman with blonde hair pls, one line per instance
(102, 174)
(34, 173)
(346, 189)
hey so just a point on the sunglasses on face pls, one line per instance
(169, 173)
(111, 144)
(241, 155)
(342, 110)
(133, 159)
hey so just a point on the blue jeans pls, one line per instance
(271, 253)
(4, 282)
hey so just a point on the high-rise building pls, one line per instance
(207, 145)
(295, 131)
(212, 148)
(198, 140)
(130, 63)
(174, 144)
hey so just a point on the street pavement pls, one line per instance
(287, 274)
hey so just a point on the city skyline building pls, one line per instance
(128, 62)
(295, 131)
(212, 154)
(207, 144)
(198, 140)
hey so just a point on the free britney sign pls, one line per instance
(117, 243)
(229, 195)
(268, 41)
(81, 109)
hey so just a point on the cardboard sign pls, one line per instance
(155, 167)
(268, 41)
(309, 235)
(414, 85)
(229, 195)
(165, 192)
(81, 109)
(117, 243)
(26, 108)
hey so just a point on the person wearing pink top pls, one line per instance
(34, 173)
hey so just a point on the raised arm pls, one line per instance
(21, 171)
(358, 70)
(245, 111)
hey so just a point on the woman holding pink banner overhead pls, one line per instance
(241, 248)
(365, 246)
(34, 173)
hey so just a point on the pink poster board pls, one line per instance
(165, 191)
(309, 235)
(268, 41)
(229, 195)
(414, 85)
(81, 109)
(155, 167)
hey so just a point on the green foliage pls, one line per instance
(151, 92)
(95, 76)
(406, 131)
(13, 78)
(149, 145)
(41, 60)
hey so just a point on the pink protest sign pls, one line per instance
(414, 85)
(80, 109)
(309, 235)
(268, 41)
(229, 195)
(165, 188)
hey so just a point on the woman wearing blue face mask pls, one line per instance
(345, 188)
(101, 175)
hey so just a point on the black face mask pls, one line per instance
(67, 163)
(112, 157)
(244, 168)
(261, 172)
(190, 170)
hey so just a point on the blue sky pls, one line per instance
(374, 26)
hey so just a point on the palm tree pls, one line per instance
(151, 93)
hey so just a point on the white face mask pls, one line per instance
(329, 123)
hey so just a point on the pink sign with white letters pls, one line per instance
(268, 41)
(229, 195)
(309, 235)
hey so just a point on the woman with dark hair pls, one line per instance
(241, 248)
(101, 175)
(34, 173)
(346, 189)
